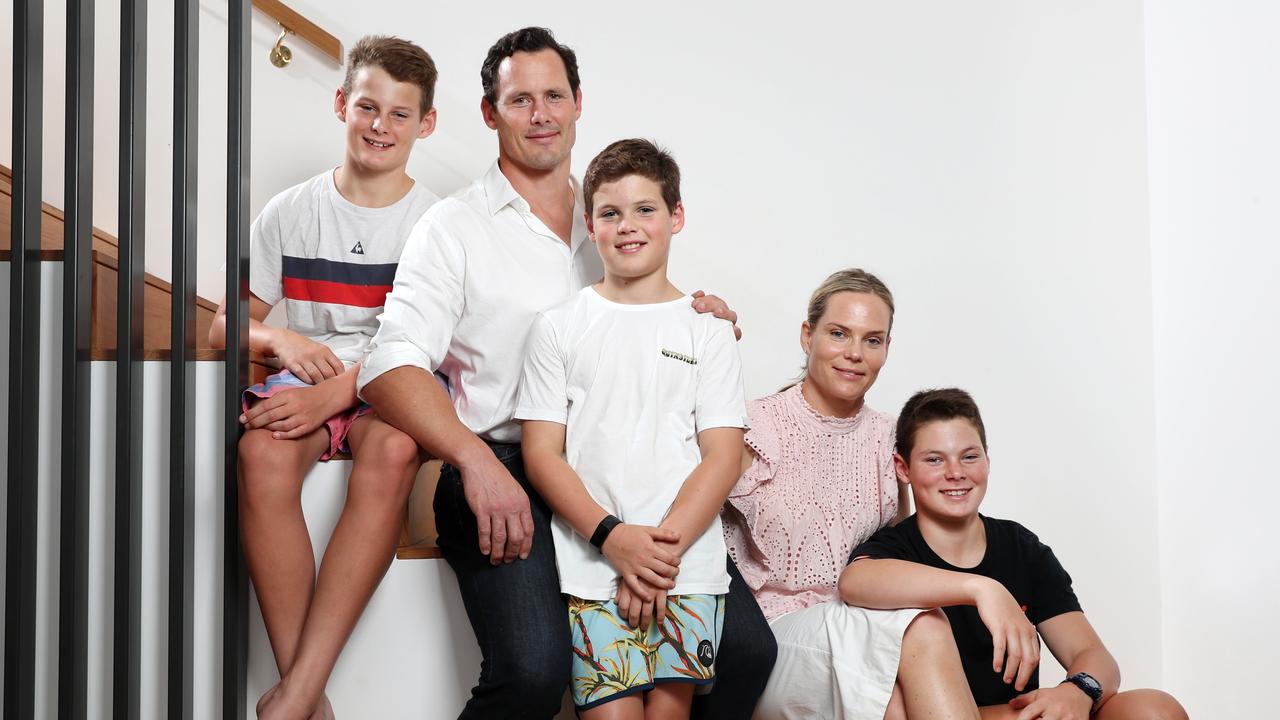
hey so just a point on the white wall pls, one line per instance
(1213, 111)
(988, 160)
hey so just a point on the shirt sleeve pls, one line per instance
(543, 391)
(889, 543)
(425, 303)
(720, 401)
(265, 249)
(1053, 594)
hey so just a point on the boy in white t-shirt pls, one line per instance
(633, 415)
(328, 248)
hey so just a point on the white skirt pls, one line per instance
(836, 662)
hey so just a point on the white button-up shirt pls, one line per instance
(476, 270)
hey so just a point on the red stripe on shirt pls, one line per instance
(323, 291)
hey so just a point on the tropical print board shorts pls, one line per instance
(611, 659)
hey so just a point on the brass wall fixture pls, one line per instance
(280, 53)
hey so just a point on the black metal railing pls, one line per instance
(22, 519)
(77, 306)
(24, 362)
(235, 576)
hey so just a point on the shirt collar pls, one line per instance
(499, 193)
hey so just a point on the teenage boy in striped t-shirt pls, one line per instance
(328, 248)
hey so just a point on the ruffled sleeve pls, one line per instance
(885, 438)
(744, 502)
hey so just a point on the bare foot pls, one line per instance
(280, 707)
(262, 701)
(323, 711)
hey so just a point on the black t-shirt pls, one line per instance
(1016, 559)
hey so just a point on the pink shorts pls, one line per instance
(339, 425)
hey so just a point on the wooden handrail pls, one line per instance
(295, 23)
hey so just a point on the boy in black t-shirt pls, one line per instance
(996, 581)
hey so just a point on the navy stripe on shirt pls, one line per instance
(337, 272)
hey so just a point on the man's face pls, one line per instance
(536, 112)
(382, 119)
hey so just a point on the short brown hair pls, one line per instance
(633, 157)
(929, 406)
(402, 60)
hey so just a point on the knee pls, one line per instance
(263, 470)
(1150, 705)
(929, 631)
(388, 458)
(537, 686)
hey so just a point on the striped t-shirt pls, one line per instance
(331, 261)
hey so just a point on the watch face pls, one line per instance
(1087, 683)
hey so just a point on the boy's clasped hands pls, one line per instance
(647, 563)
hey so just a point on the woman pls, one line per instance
(818, 479)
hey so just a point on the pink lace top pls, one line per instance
(818, 487)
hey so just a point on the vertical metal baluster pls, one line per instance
(77, 297)
(235, 588)
(182, 389)
(127, 644)
(24, 363)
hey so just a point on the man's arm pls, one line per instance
(415, 330)
(890, 584)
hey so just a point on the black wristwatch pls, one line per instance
(605, 527)
(1088, 685)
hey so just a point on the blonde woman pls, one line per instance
(818, 479)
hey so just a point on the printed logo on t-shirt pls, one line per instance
(679, 356)
(358, 249)
(706, 654)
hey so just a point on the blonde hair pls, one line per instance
(851, 280)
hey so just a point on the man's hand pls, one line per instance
(1064, 702)
(290, 414)
(703, 302)
(634, 552)
(1011, 633)
(310, 361)
(503, 520)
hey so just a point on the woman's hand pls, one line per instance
(644, 566)
(1012, 633)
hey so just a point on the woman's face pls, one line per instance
(846, 350)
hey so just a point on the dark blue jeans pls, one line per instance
(521, 622)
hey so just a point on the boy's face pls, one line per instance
(382, 119)
(632, 227)
(948, 470)
(536, 113)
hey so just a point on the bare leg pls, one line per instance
(930, 674)
(277, 547)
(630, 707)
(362, 546)
(897, 709)
(1141, 705)
(668, 700)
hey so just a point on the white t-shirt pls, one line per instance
(331, 261)
(634, 385)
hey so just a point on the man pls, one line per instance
(476, 270)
